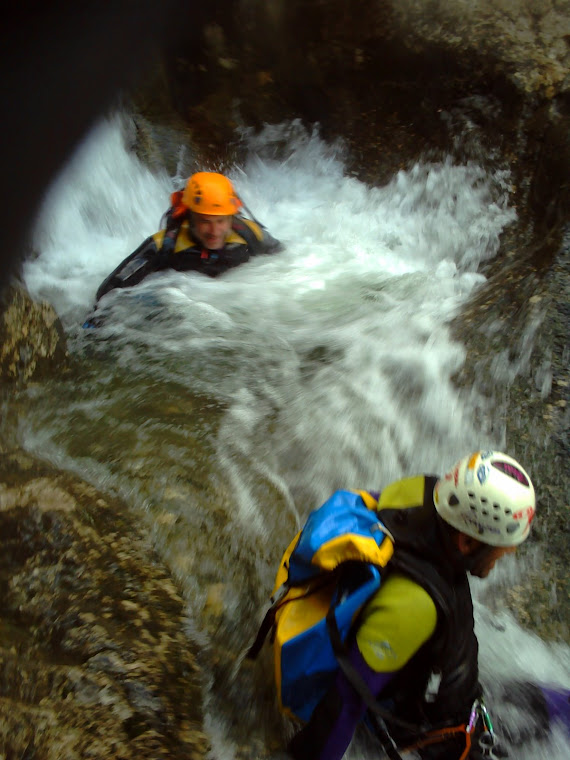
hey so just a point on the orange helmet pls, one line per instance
(211, 193)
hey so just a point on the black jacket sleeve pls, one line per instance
(142, 262)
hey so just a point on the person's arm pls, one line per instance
(334, 721)
(133, 269)
(398, 620)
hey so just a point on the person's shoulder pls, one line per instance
(244, 227)
(256, 235)
(184, 239)
(397, 621)
(403, 594)
(407, 492)
(402, 600)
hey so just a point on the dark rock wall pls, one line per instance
(398, 81)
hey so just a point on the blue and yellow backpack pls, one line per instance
(329, 571)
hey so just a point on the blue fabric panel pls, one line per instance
(308, 663)
(344, 512)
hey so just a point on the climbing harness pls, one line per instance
(488, 742)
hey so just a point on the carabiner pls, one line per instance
(486, 717)
(473, 717)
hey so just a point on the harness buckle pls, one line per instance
(279, 594)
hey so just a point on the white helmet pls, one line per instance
(488, 496)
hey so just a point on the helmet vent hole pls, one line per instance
(483, 500)
(508, 511)
(471, 494)
(496, 506)
(453, 501)
(496, 518)
(484, 512)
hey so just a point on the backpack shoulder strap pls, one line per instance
(286, 593)
(358, 683)
(266, 625)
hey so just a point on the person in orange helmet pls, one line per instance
(204, 232)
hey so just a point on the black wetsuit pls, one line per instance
(183, 254)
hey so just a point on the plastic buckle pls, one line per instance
(279, 594)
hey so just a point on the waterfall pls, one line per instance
(223, 410)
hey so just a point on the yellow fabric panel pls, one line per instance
(400, 617)
(298, 615)
(158, 237)
(233, 237)
(403, 493)
(283, 571)
(352, 546)
(254, 227)
(368, 499)
(185, 241)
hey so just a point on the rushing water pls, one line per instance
(223, 410)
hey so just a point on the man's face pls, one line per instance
(486, 563)
(211, 230)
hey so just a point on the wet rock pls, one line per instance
(517, 333)
(31, 338)
(161, 143)
(383, 71)
(528, 40)
(93, 656)
(214, 605)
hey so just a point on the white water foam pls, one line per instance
(333, 357)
